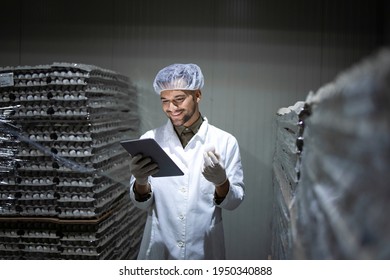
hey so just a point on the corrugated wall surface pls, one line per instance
(256, 55)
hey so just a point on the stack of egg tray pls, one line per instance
(60, 128)
(115, 235)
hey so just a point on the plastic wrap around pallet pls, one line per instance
(333, 204)
(343, 194)
(60, 157)
(63, 125)
(286, 173)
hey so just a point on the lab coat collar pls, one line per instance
(202, 132)
(172, 135)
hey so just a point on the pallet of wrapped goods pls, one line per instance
(343, 194)
(111, 236)
(286, 163)
(289, 145)
(60, 129)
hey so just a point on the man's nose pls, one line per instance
(172, 105)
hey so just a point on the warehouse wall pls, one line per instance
(256, 55)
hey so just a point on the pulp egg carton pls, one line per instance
(39, 244)
(88, 240)
(7, 162)
(33, 78)
(9, 144)
(63, 169)
(51, 113)
(123, 238)
(108, 237)
(100, 248)
(129, 223)
(101, 240)
(90, 209)
(29, 198)
(9, 251)
(66, 90)
(26, 239)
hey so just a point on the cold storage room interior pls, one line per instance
(268, 65)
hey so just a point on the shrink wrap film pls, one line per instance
(64, 176)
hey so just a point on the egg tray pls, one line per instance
(50, 192)
(7, 166)
(57, 204)
(66, 133)
(22, 237)
(59, 201)
(60, 128)
(108, 242)
(43, 172)
(89, 97)
(53, 74)
(33, 105)
(76, 160)
(42, 239)
(82, 209)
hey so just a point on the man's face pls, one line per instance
(181, 106)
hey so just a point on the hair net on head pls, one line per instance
(179, 76)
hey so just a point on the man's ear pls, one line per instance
(198, 95)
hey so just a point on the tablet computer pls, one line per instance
(150, 148)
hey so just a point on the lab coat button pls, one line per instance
(181, 217)
(180, 244)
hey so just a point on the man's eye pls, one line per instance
(181, 99)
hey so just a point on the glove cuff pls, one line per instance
(141, 181)
(223, 182)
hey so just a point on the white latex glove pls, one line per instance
(213, 170)
(141, 168)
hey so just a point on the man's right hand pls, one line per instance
(141, 168)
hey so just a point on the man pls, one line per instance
(185, 212)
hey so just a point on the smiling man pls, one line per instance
(185, 212)
(181, 106)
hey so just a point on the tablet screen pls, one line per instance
(150, 148)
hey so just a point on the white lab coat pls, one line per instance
(184, 222)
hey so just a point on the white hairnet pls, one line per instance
(179, 76)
